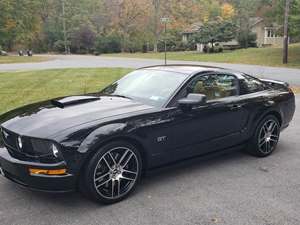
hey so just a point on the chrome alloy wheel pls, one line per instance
(268, 136)
(116, 173)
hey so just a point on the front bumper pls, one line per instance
(18, 172)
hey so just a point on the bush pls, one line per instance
(215, 49)
(108, 44)
(59, 46)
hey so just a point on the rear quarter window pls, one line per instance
(250, 84)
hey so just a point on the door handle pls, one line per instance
(235, 107)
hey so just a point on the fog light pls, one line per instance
(47, 172)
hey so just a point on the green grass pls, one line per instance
(256, 56)
(20, 88)
(22, 59)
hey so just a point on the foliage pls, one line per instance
(83, 40)
(215, 31)
(108, 44)
(227, 11)
(277, 12)
(247, 39)
(38, 24)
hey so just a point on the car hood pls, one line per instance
(47, 118)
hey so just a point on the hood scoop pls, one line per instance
(73, 100)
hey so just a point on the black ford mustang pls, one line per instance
(101, 142)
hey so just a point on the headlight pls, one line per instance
(45, 148)
(55, 150)
(20, 142)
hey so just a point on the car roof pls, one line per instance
(190, 69)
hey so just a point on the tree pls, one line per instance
(215, 31)
(285, 32)
(156, 6)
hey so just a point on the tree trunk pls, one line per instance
(285, 35)
(156, 4)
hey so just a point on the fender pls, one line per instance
(106, 133)
(259, 116)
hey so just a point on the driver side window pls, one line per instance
(214, 86)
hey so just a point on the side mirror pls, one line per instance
(192, 100)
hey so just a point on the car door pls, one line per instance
(216, 125)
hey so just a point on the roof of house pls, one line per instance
(193, 28)
(255, 20)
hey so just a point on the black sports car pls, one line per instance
(151, 117)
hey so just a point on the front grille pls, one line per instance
(10, 139)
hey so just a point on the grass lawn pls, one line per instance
(20, 88)
(257, 56)
(22, 59)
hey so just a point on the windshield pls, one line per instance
(150, 87)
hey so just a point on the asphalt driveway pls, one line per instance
(231, 189)
(80, 61)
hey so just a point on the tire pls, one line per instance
(265, 138)
(113, 173)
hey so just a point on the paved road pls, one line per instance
(232, 189)
(78, 61)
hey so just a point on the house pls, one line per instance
(266, 33)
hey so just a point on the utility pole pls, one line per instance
(286, 30)
(64, 26)
(165, 20)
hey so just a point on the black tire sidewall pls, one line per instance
(88, 175)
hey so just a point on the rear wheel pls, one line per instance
(266, 137)
(112, 173)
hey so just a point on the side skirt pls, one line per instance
(192, 160)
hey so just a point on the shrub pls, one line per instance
(108, 44)
(59, 46)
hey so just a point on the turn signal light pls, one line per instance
(47, 172)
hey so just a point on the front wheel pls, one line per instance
(266, 137)
(112, 173)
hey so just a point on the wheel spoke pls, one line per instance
(273, 139)
(270, 127)
(265, 129)
(128, 159)
(102, 176)
(131, 172)
(127, 178)
(112, 158)
(118, 187)
(109, 167)
(273, 128)
(102, 183)
(112, 188)
(262, 142)
(123, 156)
(268, 149)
